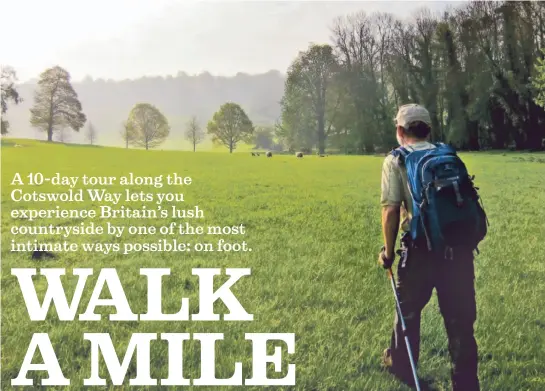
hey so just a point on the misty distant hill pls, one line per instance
(107, 103)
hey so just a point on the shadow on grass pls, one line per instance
(69, 144)
(428, 385)
(8, 143)
(84, 146)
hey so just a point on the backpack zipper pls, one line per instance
(426, 164)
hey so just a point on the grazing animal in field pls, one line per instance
(253, 154)
(299, 154)
(269, 154)
(257, 153)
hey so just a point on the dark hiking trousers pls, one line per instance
(419, 273)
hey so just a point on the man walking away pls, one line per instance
(431, 255)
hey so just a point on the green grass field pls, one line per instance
(314, 227)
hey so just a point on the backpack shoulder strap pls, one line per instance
(400, 152)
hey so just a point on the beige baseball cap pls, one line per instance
(412, 113)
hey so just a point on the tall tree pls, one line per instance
(91, 133)
(148, 126)
(8, 92)
(364, 45)
(56, 103)
(308, 82)
(194, 134)
(230, 125)
(462, 130)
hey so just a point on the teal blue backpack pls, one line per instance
(447, 209)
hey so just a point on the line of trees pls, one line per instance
(478, 69)
(57, 109)
(147, 127)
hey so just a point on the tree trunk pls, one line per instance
(321, 133)
(498, 126)
(50, 132)
(230, 146)
(194, 146)
(534, 132)
(436, 129)
(50, 121)
(473, 134)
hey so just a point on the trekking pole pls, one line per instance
(409, 351)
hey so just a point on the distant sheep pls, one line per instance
(253, 154)
(269, 154)
(257, 153)
(299, 154)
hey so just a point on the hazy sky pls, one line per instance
(121, 39)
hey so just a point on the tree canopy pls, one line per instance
(146, 126)
(56, 103)
(477, 68)
(230, 125)
(8, 92)
(309, 89)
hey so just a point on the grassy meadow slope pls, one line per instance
(314, 227)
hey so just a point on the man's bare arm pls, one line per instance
(390, 228)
